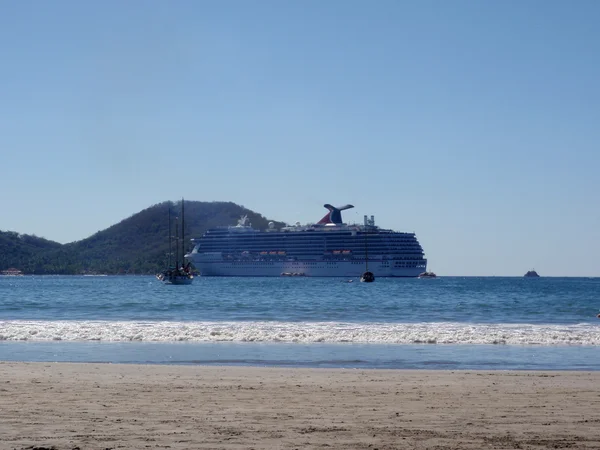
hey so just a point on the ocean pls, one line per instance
(488, 323)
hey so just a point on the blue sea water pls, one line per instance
(443, 323)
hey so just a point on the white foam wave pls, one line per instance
(304, 332)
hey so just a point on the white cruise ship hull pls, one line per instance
(302, 268)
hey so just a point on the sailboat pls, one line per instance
(180, 273)
(367, 276)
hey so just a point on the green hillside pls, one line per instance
(21, 250)
(136, 245)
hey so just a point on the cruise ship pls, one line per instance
(329, 248)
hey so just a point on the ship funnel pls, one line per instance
(334, 215)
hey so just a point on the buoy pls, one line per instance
(367, 277)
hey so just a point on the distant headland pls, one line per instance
(136, 245)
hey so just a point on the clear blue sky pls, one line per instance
(475, 124)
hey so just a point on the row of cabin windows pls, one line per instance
(308, 238)
(259, 247)
(313, 264)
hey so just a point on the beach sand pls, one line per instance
(106, 406)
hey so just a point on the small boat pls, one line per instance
(531, 274)
(176, 276)
(367, 277)
(12, 272)
(427, 275)
(180, 273)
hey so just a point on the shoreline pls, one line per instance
(319, 355)
(100, 406)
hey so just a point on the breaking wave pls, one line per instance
(301, 332)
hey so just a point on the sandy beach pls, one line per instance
(105, 406)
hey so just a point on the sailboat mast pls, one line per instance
(366, 223)
(170, 237)
(366, 252)
(182, 235)
(367, 277)
(176, 242)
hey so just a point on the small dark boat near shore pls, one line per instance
(427, 275)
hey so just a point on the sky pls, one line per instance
(474, 124)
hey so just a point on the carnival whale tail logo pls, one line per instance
(334, 215)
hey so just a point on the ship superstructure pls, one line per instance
(329, 248)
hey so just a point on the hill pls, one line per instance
(21, 250)
(138, 244)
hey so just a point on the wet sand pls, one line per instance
(106, 406)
